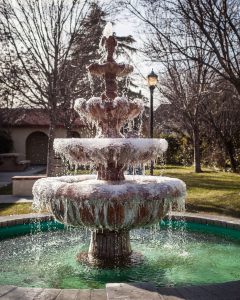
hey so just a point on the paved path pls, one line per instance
(145, 291)
(123, 291)
(10, 292)
(6, 177)
(15, 199)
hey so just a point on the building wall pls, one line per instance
(20, 134)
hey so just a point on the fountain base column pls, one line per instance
(110, 248)
(110, 244)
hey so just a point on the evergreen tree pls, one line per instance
(85, 50)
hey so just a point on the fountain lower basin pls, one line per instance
(110, 209)
(122, 205)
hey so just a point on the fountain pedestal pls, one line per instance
(107, 244)
(110, 249)
(111, 172)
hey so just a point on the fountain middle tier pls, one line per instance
(118, 151)
(109, 116)
(115, 206)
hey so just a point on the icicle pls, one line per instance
(91, 83)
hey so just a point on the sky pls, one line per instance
(125, 26)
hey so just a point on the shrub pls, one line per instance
(179, 151)
(6, 142)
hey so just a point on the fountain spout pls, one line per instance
(110, 44)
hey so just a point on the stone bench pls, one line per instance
(22, 185)
(9, 162)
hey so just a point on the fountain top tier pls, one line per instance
(109, 69)
(109, 112)
(113, 152)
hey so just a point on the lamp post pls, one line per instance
(152, 79)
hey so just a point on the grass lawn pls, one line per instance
(7, 209)
(210, 191)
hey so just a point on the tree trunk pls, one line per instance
(196, 147)
(69, 132)
(51, 155)
(231, 153)
(237, 86)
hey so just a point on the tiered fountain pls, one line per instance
(110, 203)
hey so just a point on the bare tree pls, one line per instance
(218, 23)
(203, 32)
(41, 34)
(222, 112)
(185, 82)
(186, 86)
(212, 26)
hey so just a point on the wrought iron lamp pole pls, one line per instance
(152, 82)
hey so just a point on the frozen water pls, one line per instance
(109, 116)
(134, 202)
(121, 150)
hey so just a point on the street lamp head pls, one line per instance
(152, 79)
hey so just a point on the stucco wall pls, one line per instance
(22, 185)
(20, 134)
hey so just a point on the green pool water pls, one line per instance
(178, 254)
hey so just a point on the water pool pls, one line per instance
(178, 254)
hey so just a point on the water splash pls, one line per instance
(108, 30)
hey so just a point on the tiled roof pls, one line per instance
(19, 117)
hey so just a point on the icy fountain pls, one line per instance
(110, 203)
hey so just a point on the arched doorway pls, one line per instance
(37, 148)
(74, 134)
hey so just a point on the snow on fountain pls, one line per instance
(110, 203)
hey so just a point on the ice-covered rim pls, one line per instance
(141, 144)
(109, 116)
(136, 201)
(118, 150)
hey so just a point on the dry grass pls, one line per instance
(7, 209)
(210, 190)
